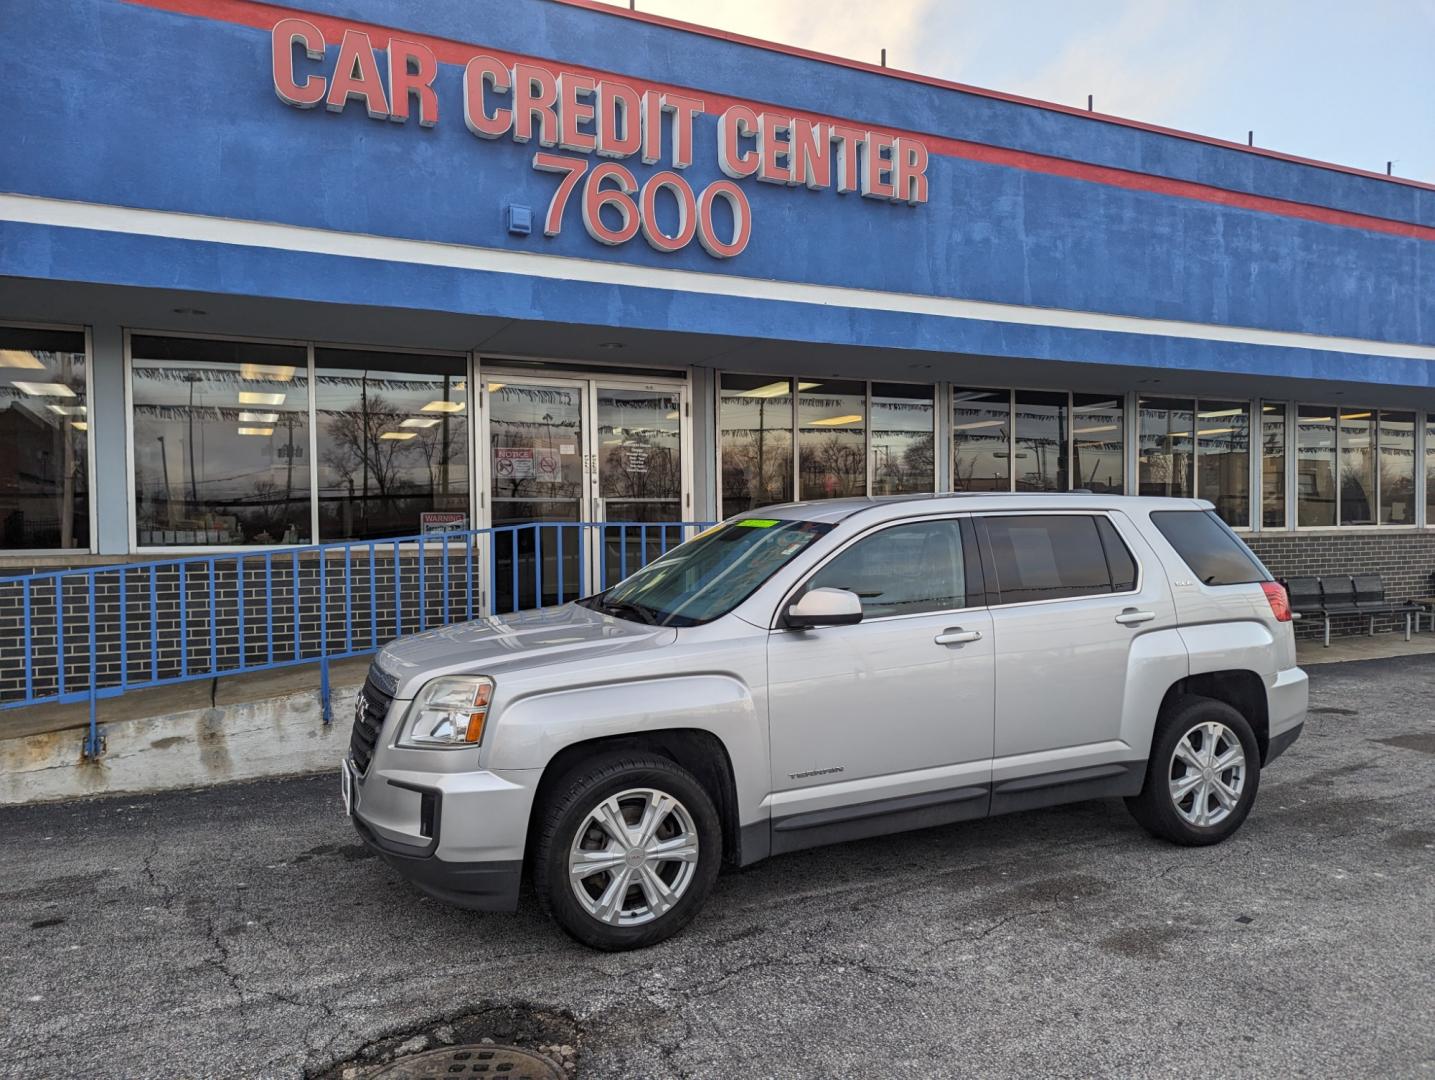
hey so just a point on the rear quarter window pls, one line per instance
(1055, 557)
(1206, 544)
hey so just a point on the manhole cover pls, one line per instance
(478, 1059)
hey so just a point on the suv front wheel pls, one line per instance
(627, 851)
(1202, 776)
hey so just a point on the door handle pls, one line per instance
(1132, 617)
(957, 636)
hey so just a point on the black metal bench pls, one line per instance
(1334, 596)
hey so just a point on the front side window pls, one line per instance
(393, 443)
(711, 574)
(221, 442)
(755, 417)
(903, 570)
(44, 440)
(832, 440)
(1051, 557)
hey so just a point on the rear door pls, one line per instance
(1073, 594)
(886, 724)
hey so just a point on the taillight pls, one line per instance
(1279, 599)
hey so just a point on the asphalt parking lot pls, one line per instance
(242, 931)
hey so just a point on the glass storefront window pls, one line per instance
(755, 421)
(1223, 458)
(1273, 465)
(221, 442)
(1357, 467)
(392, 435)
(832, 439)
(1315, 465)
(1166, 444)
(1396, 442)
(44, 440)
(981, 440)
(1098, 449)
(903, 443)
(1041, 452)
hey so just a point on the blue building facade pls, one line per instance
(274, 276)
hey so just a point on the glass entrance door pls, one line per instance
(585, 479)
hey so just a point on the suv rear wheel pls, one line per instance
(1202, 776)
(627, 851)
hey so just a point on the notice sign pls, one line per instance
(636, 458)
(437, 522)
(546, 469)
(512, 464)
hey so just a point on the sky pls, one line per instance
(1346, 81)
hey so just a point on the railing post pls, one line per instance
(94, 745)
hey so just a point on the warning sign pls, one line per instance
(435, 522)
(546, 467)
(512, 464)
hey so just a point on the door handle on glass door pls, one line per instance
(1131, 617)
(957, 636)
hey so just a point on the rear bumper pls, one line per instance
(1282, 742)
(1287, 698)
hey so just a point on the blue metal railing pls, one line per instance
(92, 633)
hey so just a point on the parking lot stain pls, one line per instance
(1331, 710)
(41, 924)
(1412, 839)
(1424, 742)
(1144, 942)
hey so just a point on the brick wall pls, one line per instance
(1404, 561)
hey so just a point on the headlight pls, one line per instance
(448, 712)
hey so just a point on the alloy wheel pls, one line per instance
(1207, 774)
(633, 857)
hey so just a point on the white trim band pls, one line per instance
(64, 213)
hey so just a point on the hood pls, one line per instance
(567, 634)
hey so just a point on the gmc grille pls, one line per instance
(369, 712)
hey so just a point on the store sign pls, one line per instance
(604, 118)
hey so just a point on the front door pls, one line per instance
(585, 482)
(886, 724)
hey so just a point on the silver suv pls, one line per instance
(822, 672)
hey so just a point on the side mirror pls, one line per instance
(824, 607)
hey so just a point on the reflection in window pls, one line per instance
(981, 440)
(1097, 444)
(639, 456)
(1223, 456)
(393, 443)
(221, 442)
(1397, 468)
(44, 424)
(902, 439)
(1273, 465)
(1041, 441)
(755, 418)
(1315, 465)
(904, 570)
(1357, 467)
(832, 439)
(1430, 472)
(1166, 460)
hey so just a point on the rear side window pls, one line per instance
(1054, 557)
(904, 570)
(1206, 544)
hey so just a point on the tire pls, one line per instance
(578, 823)
(1183, 805)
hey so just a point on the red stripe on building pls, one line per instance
(263, 16)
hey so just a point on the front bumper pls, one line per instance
(457, 836)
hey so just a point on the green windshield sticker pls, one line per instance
(757, 523)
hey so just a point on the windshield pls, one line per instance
(710, 575)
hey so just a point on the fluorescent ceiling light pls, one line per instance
(80, 425)
(43, 389)
(399, 436)
(981, 424)
(253, 397)
(257, 417)
(1216, 431)
(672, 415)
(1272, 408)
(19, 358)
(835, 421)
(421, 421)
(1094, 430)
(1316, 419)
(266, 372)
(256, 431)
(494, 387)
(67, 410)
(1355, 416)
(443, 406)
(1220, 413)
